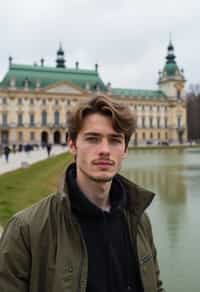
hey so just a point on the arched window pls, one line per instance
(44, 118)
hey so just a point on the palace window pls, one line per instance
(178, 94)
(136, 121)
(44, 102)
(5, 119)
(178, 122)
(151, 122)
(66, 117)
(143, 122)
(20, 119)
(166, 122)
(32, 119)
(4, 101)
(44, 118)
(31, 101)
(32, 136)
(19, 101)
(56, 118)
(158, 122)
(20, 136)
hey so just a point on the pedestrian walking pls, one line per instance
(6, 153)
(48, 149)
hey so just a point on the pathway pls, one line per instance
(22, 159)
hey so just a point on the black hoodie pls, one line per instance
(112, 264)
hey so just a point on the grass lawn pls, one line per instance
(21, 188)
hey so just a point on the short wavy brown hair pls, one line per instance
(122, 118)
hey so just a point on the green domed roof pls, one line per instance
(171, 69)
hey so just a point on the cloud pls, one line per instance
(127, 38)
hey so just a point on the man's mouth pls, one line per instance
(103, 162)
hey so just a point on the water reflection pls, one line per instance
(170, 188)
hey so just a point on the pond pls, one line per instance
(174, 175)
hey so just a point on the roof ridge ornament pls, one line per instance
(60, 60)
(10, 61)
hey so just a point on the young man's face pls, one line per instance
(99, 149)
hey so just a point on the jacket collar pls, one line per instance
(138, 198)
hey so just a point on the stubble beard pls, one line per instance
(98, 179)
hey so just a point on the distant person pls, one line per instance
(6, 153)
(49, 149)
(14, 148)
(93, 234)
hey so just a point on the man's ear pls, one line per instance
(71, 146)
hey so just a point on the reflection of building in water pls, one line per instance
(35, 101)
(164, 181)
(171, 204)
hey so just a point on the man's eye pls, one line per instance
(116, 141)
(92, 139)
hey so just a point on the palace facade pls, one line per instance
(36, 100)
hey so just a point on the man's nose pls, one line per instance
(104, 146)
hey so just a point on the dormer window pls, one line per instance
(12, 82)
(37, 84)
(26, 83)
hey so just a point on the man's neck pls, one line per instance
(96, 192)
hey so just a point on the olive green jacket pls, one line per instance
(42, 247)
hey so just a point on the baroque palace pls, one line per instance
(36, 100)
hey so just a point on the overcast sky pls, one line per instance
(127, 38)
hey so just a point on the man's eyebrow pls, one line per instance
(114, 135)
(92, 134)
(119, 135)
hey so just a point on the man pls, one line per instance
(93, 235)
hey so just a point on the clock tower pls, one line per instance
(171, 78)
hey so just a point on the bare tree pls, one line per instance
(193, 112)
